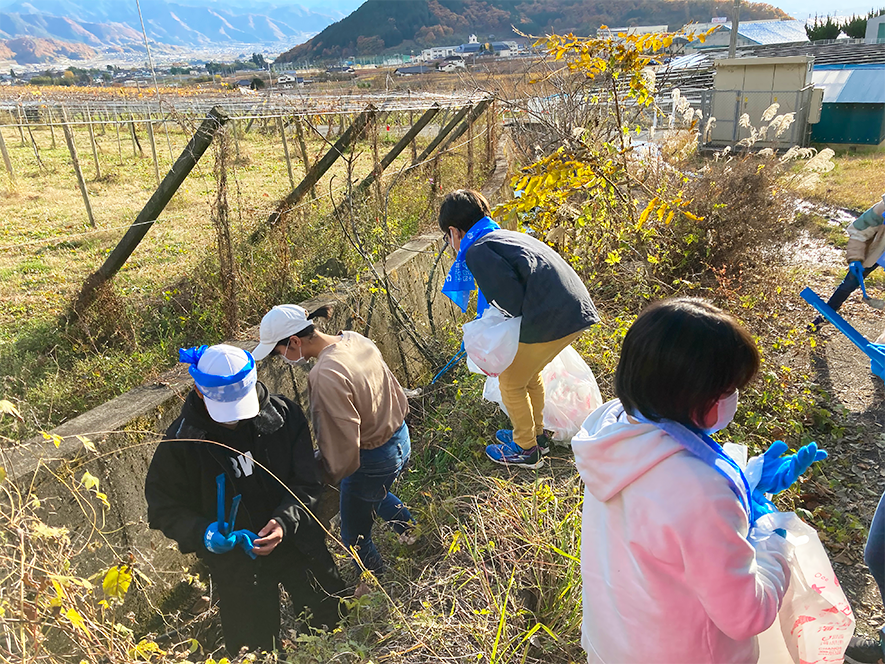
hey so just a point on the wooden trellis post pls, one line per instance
(152, 209)
(69, 139)
(282, 127)
(51, 125)
(92, 143)
(7, 163)
(150, 129)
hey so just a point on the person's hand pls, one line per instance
(215, 542)
(268, 538)
(856, 268)
(779, 472)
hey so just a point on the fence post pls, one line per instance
(21, 124)
(135, 143)
(150, 128)
(441, 135)
(282, 126)
(305, 155)
(316, 172)
(470, 154)
(94, 148)
(149, 213)
(395, 151)
(233, 128)
(51, 125)
(415, 137)
(119, 142)
(7, 162)
(69, 139)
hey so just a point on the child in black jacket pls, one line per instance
(522, 277)
(274, 538)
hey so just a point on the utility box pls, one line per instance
(748, 87)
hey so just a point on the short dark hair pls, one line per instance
(321, 312)
(462, 208)
(680, 357)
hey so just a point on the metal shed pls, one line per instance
(854, 104)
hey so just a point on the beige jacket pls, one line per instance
(356, 403)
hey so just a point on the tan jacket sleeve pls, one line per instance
(336, 424)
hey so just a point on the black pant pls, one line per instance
(847, 287)
(249, 596)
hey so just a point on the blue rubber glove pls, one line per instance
(246, 540)
(215, 541)
(779, 472)
(856, 268)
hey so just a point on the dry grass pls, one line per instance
(856, 182)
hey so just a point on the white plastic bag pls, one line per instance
(571, 394)
(491, 342)
(815, 622)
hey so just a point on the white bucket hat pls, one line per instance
(226, 377)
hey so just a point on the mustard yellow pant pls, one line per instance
(522, 389)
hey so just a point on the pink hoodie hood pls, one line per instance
(611, 452)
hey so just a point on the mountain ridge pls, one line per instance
(384, 26)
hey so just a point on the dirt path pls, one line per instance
(853, 479)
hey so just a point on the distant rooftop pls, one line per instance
(761, 32)
(852, 83)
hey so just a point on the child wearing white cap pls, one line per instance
(358, 411)
(209, 487)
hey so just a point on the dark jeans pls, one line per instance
(249, 594)
(847, 287)
(874, 553)
(367, 492)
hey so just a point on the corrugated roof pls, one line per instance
(773, 32)
(851, 84)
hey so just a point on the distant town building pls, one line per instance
(875, 30)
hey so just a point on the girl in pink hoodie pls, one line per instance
(669, 573)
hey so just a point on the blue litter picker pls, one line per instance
(875, 352)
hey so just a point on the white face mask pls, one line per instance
(293, 363)
(726, 407)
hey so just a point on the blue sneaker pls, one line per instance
(505, 436)
(513, 455)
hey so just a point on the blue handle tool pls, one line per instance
(234, 508)
(219, 494)
(875, 352)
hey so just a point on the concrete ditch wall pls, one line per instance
(126, 430)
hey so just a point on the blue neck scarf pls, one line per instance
(711, 453)
(220, 388)
(459, 281)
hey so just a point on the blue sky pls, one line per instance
(802, 9)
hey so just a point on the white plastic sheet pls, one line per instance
(571, 394)
(815, 622)
(491, 341)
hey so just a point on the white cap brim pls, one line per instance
(262, 350)
(230, 411)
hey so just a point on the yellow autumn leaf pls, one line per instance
(89, 480)
(56, 439)
(116, 581)
(691, 216)
(77, 620)
(647, 211)
(670, 217)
